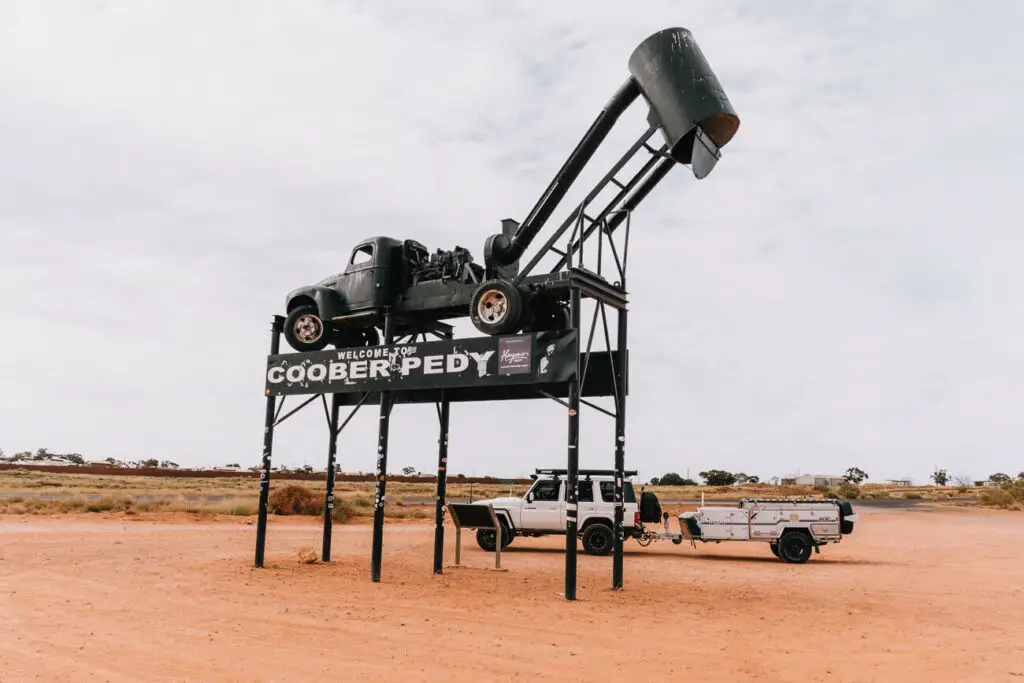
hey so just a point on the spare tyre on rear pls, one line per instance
(650, 508)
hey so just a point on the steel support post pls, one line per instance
(573, 459)
(621, 379)
(277, 326)
(382, 464)
(332, 450)
(442, 482)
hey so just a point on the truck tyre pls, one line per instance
(304, 330)
(774, 547)
(485, 538)
(795, 547)
(496, 308)
(598, 539)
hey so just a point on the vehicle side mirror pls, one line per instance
(529, 497)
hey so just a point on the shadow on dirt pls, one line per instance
(767, 559)
(771, 559)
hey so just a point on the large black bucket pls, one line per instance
(686, 99)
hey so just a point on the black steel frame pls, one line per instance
(609, 293)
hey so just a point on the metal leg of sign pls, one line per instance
(332, 450)
(442, 482)
(573, 463)
(382, 465)
(277, 327)
(621, 374)
(458, 544)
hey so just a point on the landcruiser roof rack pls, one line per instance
(582, 473)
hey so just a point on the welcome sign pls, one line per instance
(537, 358)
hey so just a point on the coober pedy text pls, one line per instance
(381, 363)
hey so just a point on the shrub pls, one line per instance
(342, 511)
(1000, 498)
(913, 495)
(962, 489)
(294, 500)
(849, 491)
(1016, 489)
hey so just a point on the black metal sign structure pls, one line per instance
(473, 363)
(549, 364)
(410, 294)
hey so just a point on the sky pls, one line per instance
(843, 290)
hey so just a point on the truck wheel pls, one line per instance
(304, 330)
(485, 538)
(775, 549)
(795, 548)
(597, 539)
(497, 308)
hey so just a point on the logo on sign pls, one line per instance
(514, 356)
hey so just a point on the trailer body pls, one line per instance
(792, 527)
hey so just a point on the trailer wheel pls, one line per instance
(795, 547)
(598, 539)
(497, 308)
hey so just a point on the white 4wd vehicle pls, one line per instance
(541, 510)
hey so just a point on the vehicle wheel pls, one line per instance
(795, 548)
(598, 539)
(304, 330)
(497, 308)
(774, 547)
(485, 538)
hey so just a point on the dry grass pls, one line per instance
(30, 492)
(27, 492)
(36, 506)
(1009, 496)
(15, 481)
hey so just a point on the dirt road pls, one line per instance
(934, 595)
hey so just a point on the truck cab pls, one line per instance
(376, 272)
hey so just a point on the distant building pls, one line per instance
(818, 480)
(899, 482)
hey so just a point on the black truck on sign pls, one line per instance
(386, 275)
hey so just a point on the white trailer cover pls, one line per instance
(726, 524)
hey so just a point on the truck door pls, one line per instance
(544, 506)
(366, 268)
(585, 504)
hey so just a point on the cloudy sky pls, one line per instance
(843, 290)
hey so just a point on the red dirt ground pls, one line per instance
(912, 595)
